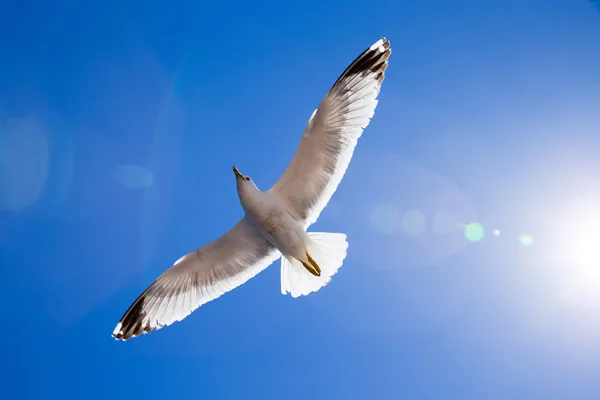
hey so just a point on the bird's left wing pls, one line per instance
(197, 278)
(330, 137)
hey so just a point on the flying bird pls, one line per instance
(275, 222)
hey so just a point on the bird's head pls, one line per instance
(239, 177)
(244, 183)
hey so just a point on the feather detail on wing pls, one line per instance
(331, 135)
(197, 278)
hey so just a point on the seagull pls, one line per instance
(276, 221)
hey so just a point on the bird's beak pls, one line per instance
(237, 173)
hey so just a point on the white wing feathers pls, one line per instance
(305, 188)
(197, 278)
(329, 139)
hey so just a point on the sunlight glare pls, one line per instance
(579, 252)
(582, 238)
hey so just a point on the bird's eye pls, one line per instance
(248, 178)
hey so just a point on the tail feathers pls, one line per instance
(328, 250)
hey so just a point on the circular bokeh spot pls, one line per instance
(384, 219)
(445, 223)
(526, 240)
(414, 222)
(24, 163)
(133, 176)
(474, 232)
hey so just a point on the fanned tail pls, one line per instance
(328, 250)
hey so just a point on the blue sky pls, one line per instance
(118, 128)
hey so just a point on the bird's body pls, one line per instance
(268, 215)
(276, 221)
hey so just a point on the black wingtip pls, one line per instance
(373, 59)
(130, 324)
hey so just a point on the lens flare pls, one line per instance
(526, 240)
(444, 223)
(414, 222)
(25, 162)
(384, 218)
(474, 232)
(133, 176)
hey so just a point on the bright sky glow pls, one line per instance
(581, 236)
(487, 121)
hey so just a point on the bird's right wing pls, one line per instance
(197, 278)
(330, 137)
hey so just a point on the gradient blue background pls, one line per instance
(490, 112)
